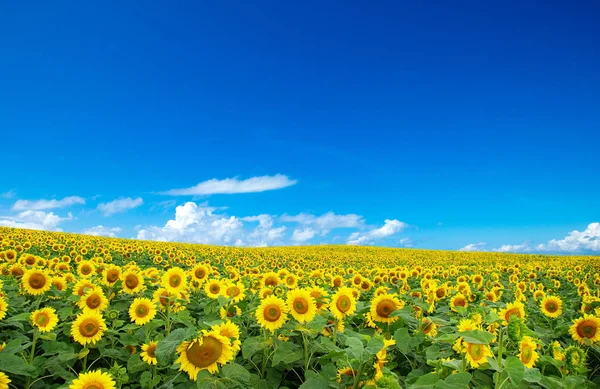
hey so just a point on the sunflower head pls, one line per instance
(383, 306)
(88, 327)
(142, 310)
(271, 313)
(527, 352)
(36, 282)
(551, 306)
(585, 330)
(93, 379)
(343, 303)
(44, 319)
(148, 353)
(301, 305)
(575, 359)
(203, 353)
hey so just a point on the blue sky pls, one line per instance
(424, 124)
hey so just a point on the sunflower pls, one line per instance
(163, 298)
(383, 306)
(93, 301)
(214, 288)
(44, 319)
(428, 327)
(82, 286)
(199, 273)
(132, 282)
(142, 310)
(86, 269)
(4, 381)
(88, 327)
(271, 313)
(558, 352)
(203, 353)
(342, 303)
(270, 279)
(585, 329)
(236, 291)
(319, 294)
(36, 282)
(476, 354)
(333, 325)
(231, 331)
(148, 353)
(230, 311)
(575, 358)
(59, 283)
(111, 274)
(3, 308)
(93, 380)
(174, 280)
(527, 352)
(301, 305)
(517, 308)
(551, 306)
(458, 300)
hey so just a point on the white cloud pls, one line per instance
(40, 205)
(576, 241)
(474, 247)
(514, 248)
(233, 185)
(406, 242)
(389, 228)
(303, 235)
(102, 231)
(196, 223)
(264, 233)
(120, 205)
(8, 195)
(35, 220)
(326, 222)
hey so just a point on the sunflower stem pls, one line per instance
(500, 345)
(306, 355)
(335, 332)
(361, 369)
(32, 353)
(168, 323)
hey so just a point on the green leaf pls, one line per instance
(477, 336)
(455, 381)
(314, 381)
(532, 375)
(237, 372)
(355, 347)
(374, 345)
(165, 350)
(13, 364)
(402, 339)
(135, 364)
(286, 353)
(251, 346)
(432, 352)
(425, 382)
(515, 370)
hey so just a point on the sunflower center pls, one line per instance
(476, 351)
(131, 281)
(141, 311)
(551, 307)
(92, 386)
(526, 354)
(200, 273)
(42, 319)
(112, 276)
(150, 351)
(37, 281)
(440, 293)
(89, 327)
(459, 302)
(385, 308)
(233, 291)
(205, 354)
(214, 288)
(301, 305)
(86, 270)
(343, 304)
(272, 312)
(427, 327)
(510, 312)
(587, 329)
(175, 281)
(290, 280)
(271, 281)
(337, 282)
(93, 302)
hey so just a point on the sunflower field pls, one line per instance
(84, 312)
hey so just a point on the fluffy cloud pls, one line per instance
(120, 205)
(303, 235)
(8, 195)
(196, 223)
(514, 248)
(576, 241)
(264, 233)
(406, 242)
(389, 228)
(35, 220)
(40, 205)
(327, 221)
(102, 231)
(233, 185)
(474, 247)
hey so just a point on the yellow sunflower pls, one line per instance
(148, 353)
(517, 308)
(174, 280)
(3, 308)
(44, 319)
(551, 306)
(93, 300)
(36, 282)
(236, 291)
(93, 380)
(458, 300)
(301, 305)
(111, 274)
(527, 352)
(230, 311)
(231, 331)
(271, 313)
(199, 273)
(383, 306)
(476, 354)
(343, 303)
(214, 288)
(132, 282)
(586, 328)
(203, 353)
(428, 327)
(319, 294)
(142, 310)
(86, 269)
(88, 327)
(4, 381)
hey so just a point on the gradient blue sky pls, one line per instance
(460, 123)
